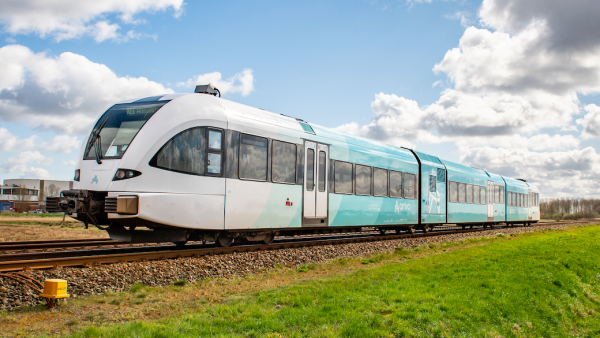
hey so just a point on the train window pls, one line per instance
(342, 177)
(519, 200)
(215, 146)
(410, 185)
(453, 191)
(469, 193)
(441, 175)
(496, 194)
(214, 164)
(253, 157)
(310, 169)
(395, 184)
(380, 182)
(322, 170)
(502, 195)
(526, 200)
(363, 180)
(476, 194)
(283, 162)
(508, 198)
(432, 182)
(184, 153)
(462, 193)
(117, 128)
(482, 195)
(214, 139)
(515, 202)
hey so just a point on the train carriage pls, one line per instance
(181, 167)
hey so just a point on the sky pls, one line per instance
(509, 86)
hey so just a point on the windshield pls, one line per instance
(117, 128)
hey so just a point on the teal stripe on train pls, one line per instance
(350, 210)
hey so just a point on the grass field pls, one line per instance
(534, 285)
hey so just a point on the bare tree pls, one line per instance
(52, 191)
(23, 198)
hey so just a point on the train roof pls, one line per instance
(248, 112)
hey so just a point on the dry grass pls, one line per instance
(37, 228)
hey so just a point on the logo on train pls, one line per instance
(399, 207)
(95, 179)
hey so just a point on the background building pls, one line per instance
(29, 194)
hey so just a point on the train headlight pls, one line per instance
(77, 175)
(123, 174)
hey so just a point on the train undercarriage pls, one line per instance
(92, 207)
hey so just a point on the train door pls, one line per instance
(433, 194)
(316, 192)
(490, 206)
(529, 208)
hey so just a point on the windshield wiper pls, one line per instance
(93, 141)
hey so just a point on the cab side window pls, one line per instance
(184, 153)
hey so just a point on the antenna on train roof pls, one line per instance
(207, 89)
(521, 179)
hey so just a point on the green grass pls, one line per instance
(537, 285)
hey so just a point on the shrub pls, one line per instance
(181, 282)
(136, 287)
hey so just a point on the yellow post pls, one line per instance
(54, 289)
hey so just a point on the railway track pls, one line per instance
(88, 252)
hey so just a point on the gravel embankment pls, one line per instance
(119, 277)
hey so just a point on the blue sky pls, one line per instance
(446, 77)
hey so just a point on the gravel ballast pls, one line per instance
(120, 277)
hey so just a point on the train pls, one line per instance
(197, 167)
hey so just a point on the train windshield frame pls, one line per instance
(118, 127)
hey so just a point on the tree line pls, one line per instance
(569, 208)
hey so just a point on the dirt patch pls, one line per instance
(18, 231)
(37, 219)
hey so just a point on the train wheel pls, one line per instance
(269, 239)
(464, 227)
(382, 231)
(410, 231)
(425, 229)
(471, 227)
(224, 239)
(397, 231)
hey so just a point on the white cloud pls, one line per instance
(70, 19)
(20, 165)
(511, 82)
(60, 144)
(64, 93)
(590, 122)
(239, 83)
(10, 142)
(566, 173)
(70, 163)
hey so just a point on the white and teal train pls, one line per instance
(181, 167)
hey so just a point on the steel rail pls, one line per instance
(174, 252)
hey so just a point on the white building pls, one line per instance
(32, 192)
